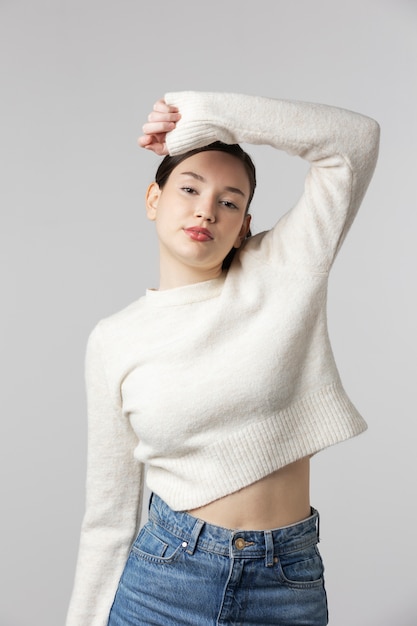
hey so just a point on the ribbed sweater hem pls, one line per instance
(314, 422)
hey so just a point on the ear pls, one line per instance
(243, 231)
(151, 198)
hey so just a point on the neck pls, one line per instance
(171, 276)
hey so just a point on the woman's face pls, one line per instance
(200, 213)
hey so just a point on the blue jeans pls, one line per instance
(182, 570)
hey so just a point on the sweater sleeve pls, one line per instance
(113, 497)
(341, 146)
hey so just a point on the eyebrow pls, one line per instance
(203, 180)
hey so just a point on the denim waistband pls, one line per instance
(235, 543)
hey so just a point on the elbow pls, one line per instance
(373, 134)
(369, 144)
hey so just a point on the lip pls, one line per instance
(198, 233)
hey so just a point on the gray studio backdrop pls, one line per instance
(78, 78)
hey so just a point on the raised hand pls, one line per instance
(161, 121)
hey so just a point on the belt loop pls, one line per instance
(198, 526)
(269, 548)
(318, 526)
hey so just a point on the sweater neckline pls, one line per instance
(188, 294)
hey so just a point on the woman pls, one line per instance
(222, 380)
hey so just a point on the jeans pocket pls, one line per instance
(301, 569)
(157, 545)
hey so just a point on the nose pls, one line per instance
(206, 211)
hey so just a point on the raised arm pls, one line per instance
(342, 147)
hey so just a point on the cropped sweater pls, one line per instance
(217, 384)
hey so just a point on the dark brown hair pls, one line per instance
(169, 163)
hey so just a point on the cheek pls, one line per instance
(238, 224)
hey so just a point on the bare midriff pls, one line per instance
(279, 499)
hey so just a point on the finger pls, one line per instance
(155, 137)
(158, 148)
(156, 143)
(155, 128)
(161, 106)
(157, 116)
(145, 140)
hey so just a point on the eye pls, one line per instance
(188, 190)
(229, 205)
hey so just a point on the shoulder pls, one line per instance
(114, 327)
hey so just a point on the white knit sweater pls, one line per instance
(217, 384)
